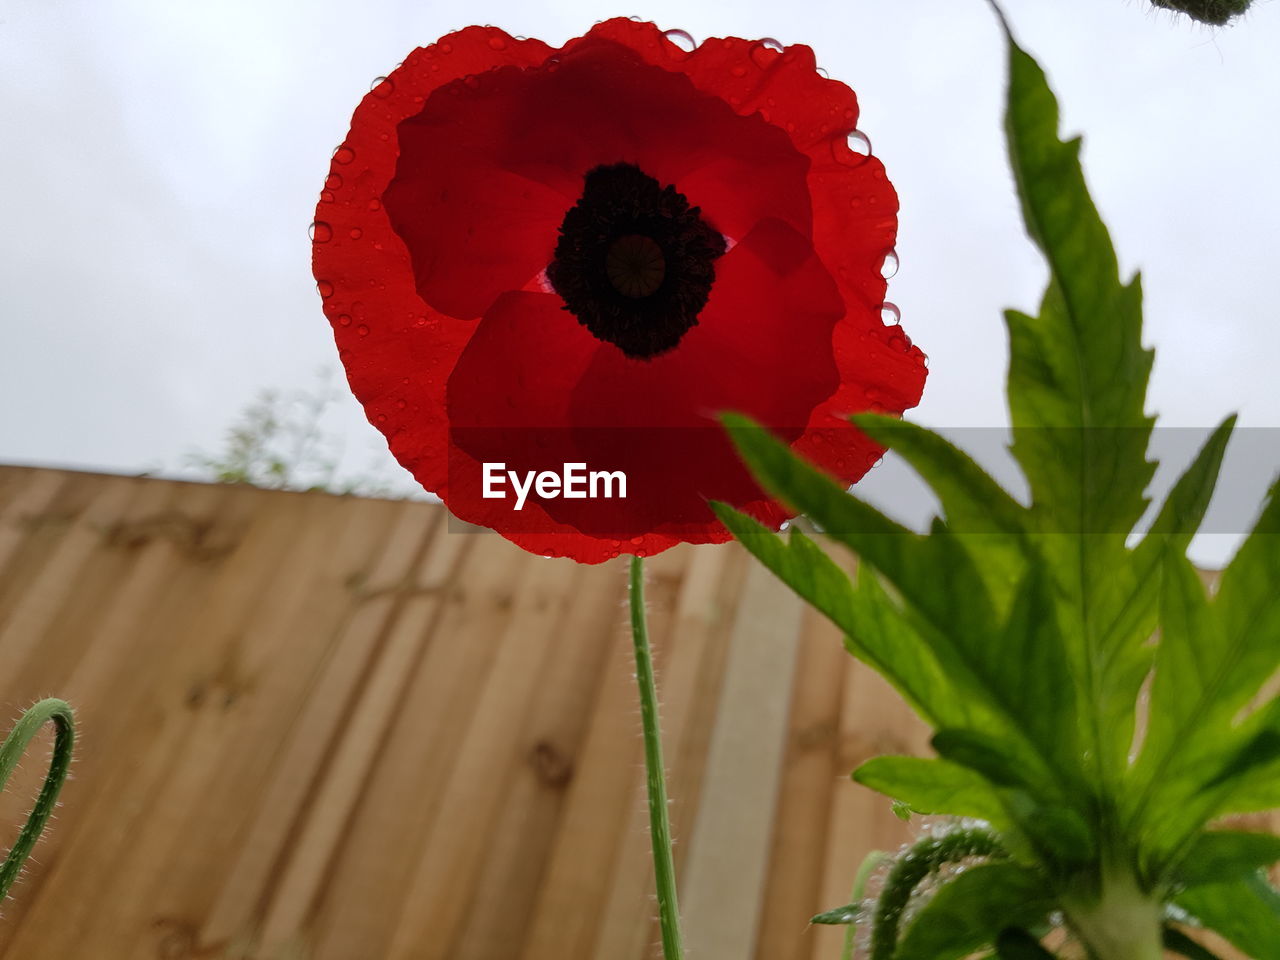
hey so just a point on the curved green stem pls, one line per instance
(664, 870)
(927, 855)
(15, 745)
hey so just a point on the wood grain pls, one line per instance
(323, 728)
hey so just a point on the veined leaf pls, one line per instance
(933, 574)
(1077, 384)
(1220, 856)
(991, 524)
(877, 631)
(1246, 912)
(944, 597)
(1212, 659)
(1248, 607)
(930, 785)
(1033, 652)
(1175, 524)
(970, 910)
(1190, 645)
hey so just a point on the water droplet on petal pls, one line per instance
(765, 52)
(682, 39)
(890, 314)
(823, 73)
(343, 155)
(445, 47)
(320, 232)
(325, 288)
(375, 204)
(851, 150)
(889, 266)
(356, 233)
(738, 70)
(497, 42)
(362, 330)
(382, 87)
(333, 181)
(344, 319)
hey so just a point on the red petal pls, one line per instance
(752, 135)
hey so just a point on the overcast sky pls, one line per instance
(161, 162)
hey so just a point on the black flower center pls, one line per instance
(634, 262)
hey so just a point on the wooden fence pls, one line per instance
(329, 728)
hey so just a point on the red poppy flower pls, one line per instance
(540, 257)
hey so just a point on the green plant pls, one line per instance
(49, 710)
(1023, 635)
(282, 442)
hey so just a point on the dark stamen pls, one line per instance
(634, 262)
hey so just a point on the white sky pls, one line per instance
(161, 162)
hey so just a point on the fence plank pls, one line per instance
(325, 728)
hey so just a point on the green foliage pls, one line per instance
(281, 442)
(1242, 910)
(972, 909)
(1024, 633)
(954, 910)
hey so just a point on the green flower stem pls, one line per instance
(664, 869)
(15, 745)
(1123, 923)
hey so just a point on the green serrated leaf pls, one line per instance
(969, 912)
(986, 756)
(993, 524)
(1176, 522)
(1212, 660)
(1190, 645)
(933, 786)
(1245, 912)
(1248, 604)
(1059, 834)
(878, 633)
(1033, 656)
(1220, 856)
(1077, 385)
(945, 598)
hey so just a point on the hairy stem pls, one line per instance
(664, 870)
(15, 745)
(923, 858)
